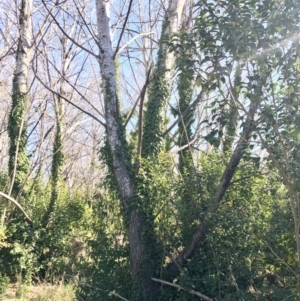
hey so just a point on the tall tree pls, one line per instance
(58, 157)
(140, 222)
(120, 162)
(18, 160)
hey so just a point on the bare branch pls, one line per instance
(68, 101)
(134, 38)
(142, 94)
(68, 36)
(123, 28)
(6, 196)
(184, 113)
(181, 288)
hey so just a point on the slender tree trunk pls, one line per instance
(58, 158)
(185, 91)
(140, 230)
(18, 165)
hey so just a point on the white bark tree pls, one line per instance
(18, 159)
(141, 236)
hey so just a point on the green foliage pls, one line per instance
(237, 53)
(37, 251)
(53, 245)
(235, 262)
(224, 37)
(106, 268)
(4, 282)
(155, 184)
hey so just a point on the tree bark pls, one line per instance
(25, 47)
(142, 268)
(231, 126)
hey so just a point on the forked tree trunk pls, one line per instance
(142, 266)
(173, 269)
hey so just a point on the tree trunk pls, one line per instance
(58, 158)
(231, 126)
(18, 165)
(140, 231)
(190, 185)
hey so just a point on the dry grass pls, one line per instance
(41, 292)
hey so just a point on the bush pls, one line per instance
(4, 282)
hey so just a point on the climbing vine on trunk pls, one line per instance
(18, 166)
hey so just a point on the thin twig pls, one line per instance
(70, 102)
(65, 33)
(141, 95)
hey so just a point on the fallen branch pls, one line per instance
(181, 288)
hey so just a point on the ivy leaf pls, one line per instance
(211, 136)
(214, 141)
(198, 81)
